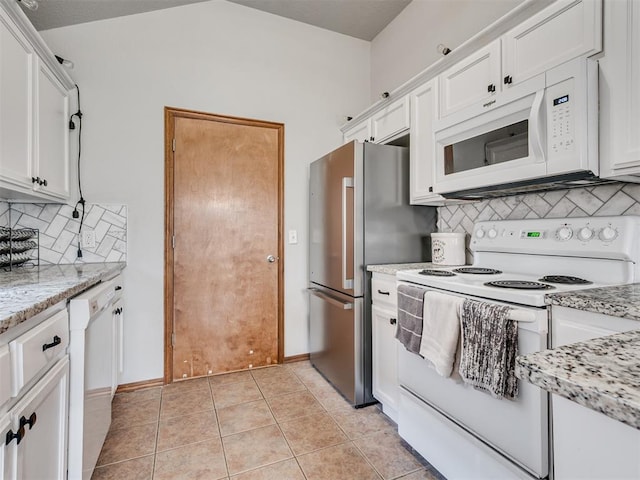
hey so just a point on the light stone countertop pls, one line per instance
(618, 301)
(393, 268)
(602, 374)
(27, 292)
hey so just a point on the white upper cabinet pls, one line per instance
(16, 112)
(471, 81)
(360, 132)
(620, 92)
(53, 138)
(34, 113)
(564, 30)
(424, 107)
(390, 121)
(387, 124)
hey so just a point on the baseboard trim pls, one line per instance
(296, 358)
(131, 387)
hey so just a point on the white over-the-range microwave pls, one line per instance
(541, 132)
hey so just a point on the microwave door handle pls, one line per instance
(347, 283)
(537, 127)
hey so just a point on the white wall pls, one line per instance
(408, 44)
(216, 57)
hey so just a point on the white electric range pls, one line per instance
(517, 263)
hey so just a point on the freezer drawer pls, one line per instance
(339, 342)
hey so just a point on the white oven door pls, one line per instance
(516, 428)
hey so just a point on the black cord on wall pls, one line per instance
(81, 202)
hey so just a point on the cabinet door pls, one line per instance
(471, 81)
(565, 30)
(5, 459)
(422, 148)
(118, 348)
(53, 137)
(385, 360)
(391, 121)
(5, 375)
(613, 452)
(16, 107)
(42, 412)
(619, 92)
(360, 132)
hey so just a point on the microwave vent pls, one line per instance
(545, 184)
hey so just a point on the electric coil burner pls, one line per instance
(519, 284)
(437, 273)
(477, 271)
(565, 280)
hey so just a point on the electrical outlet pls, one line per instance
(293, 237)
(88, 239)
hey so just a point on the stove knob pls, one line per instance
(493, 233)
(480, 233)
(607, 234)
(564, 233)
(585, 234)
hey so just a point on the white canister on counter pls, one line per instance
(448, 248)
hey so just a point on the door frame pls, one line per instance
(170, 114)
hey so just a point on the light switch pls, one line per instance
(293, 237)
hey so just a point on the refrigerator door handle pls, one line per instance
(347, 283)
(331, 300)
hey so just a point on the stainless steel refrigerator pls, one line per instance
(359, 215)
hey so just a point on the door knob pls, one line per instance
(271, 259)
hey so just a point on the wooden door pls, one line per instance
(224, 215)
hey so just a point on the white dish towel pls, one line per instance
(441, 330)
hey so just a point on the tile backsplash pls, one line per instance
(610, 199)
(59, 230)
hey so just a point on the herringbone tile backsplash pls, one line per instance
(611, 199)
(59, 230)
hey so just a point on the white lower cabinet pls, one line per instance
(588, 444)
(385, 360)
(35, 442)
(384, 343)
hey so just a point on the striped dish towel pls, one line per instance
(410, 310)
(489, 348)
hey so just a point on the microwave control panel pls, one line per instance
(561, 128)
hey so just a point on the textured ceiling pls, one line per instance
(357, 18)
(60, 13)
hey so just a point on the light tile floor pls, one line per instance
(281, 423)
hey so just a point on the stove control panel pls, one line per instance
(598, 237)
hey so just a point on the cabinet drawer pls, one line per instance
(37, 348)
(384, 290)
(5, 374)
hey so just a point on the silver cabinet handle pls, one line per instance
(331, 300)
(271, 259)
(347, 283)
